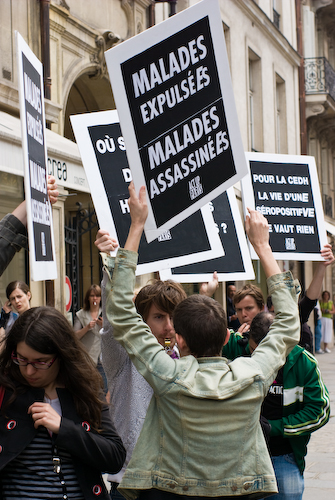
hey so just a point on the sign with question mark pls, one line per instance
(224, 227)
(236, 263)
(103, 152)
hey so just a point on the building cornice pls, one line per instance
(60, 17)
(9, 100)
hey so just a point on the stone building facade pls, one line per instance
(261, 38)
(75, 34)
(319, 64)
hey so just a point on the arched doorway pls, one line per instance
(89, 93)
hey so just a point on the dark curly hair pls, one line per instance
(47, 331)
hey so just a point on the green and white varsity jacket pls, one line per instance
(306, 404)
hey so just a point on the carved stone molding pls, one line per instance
(324, 131)
(104, 41)
(63, 4)
(314, 109)
(135, 11)
(128, 7)
(319, 4)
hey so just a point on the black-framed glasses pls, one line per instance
(39, 365)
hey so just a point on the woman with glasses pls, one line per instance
(56, 436)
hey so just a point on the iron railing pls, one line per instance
(328, 205)
(319, 76)
(276, 19)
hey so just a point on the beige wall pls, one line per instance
(248, 25)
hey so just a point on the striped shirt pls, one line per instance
(31, 475)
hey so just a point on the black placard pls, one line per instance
(40, 207)
(283, 194)
(232, 261)
(188, 237)
(180, 122)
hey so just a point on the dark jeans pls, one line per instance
(104, 378)
(114, 493)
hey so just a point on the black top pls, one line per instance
(272, 409)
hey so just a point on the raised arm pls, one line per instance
(313, 292)
(210, 287)
(284, 332)
(52, 189)
(104, 242)
(257, 229)
(144, 350)
(114, 356)
(20, 212)
(139, 212)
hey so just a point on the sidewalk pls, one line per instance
(320, 460)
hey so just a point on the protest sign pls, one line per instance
(173, 93)
(39, 213)
(102, 149)
(285, 189)
(236, 263)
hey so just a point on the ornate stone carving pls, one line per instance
(135, 11)
(128, 7)
(63, 3)
(104, 41)
(314, 109)
(319, 4)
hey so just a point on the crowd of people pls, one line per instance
(202, 403)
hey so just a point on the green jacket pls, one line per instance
(201, 435)
(306, 399)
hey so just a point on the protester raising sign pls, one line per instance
(103, 153)
(285, 189)
(39, 213)
(173, 93)
(236, 263)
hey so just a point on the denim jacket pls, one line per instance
(201, 435)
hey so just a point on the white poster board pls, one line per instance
(236, 263)
(173, 93)
(285, 189)
(102, 149)
(39, 212)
